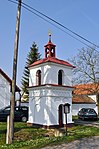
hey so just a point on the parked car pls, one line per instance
(87, 113)
(21, 113)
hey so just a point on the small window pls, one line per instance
(38, 77)
(60, 77)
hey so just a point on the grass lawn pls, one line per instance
(34, 138)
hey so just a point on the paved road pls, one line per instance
(87, 123)
(85, 143)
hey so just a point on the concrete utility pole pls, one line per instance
(12, 102)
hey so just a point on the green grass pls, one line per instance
(74, 117)
(32, 138)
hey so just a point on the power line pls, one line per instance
(60, 24)
(31, 9)
(53, 24)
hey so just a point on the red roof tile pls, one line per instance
(85, 89)
(52, 85)
(53, 60)
(79, 99)
(50, 43)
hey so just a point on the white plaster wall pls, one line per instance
(49, 74)
(38, 110)
(93, 97)
(44, 103)
(4, 92)
(77, 107)
(55, 107)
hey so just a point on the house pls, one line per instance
(82, 101)
(85, 95)
(50, 87)
(5, 89)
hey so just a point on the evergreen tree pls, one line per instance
(32, 56)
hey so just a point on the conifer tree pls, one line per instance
(32, 56)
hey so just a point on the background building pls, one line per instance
(5, 89)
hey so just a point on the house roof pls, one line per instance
(50, 43)
(53, 60)
(86, 89)
(56, 85)
(8, 79)
(81, 99)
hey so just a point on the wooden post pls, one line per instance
(66, 123)
(7, 134)
(12, 102)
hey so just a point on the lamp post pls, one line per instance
(66, 111)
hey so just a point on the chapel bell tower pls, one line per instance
(50, 87)
(50, 48)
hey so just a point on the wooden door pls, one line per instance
(60, 115)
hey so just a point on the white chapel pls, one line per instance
(50, 87)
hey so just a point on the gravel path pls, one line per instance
(85, 143)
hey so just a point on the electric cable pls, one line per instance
(59, 24)
(29, 8)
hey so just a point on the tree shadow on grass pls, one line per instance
(3, 131)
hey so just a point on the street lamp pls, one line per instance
(66, 111)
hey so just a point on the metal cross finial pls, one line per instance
(49, 36)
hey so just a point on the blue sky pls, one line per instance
(81, 16)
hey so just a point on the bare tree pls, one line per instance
(87, 66)
(87, 71)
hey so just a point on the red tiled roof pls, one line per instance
(53, 60)
(50, 43)
(52, 85)
(85, 89)
(8, 79)
(81, 99)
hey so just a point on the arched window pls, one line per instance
(38, 77)
(60, 77)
